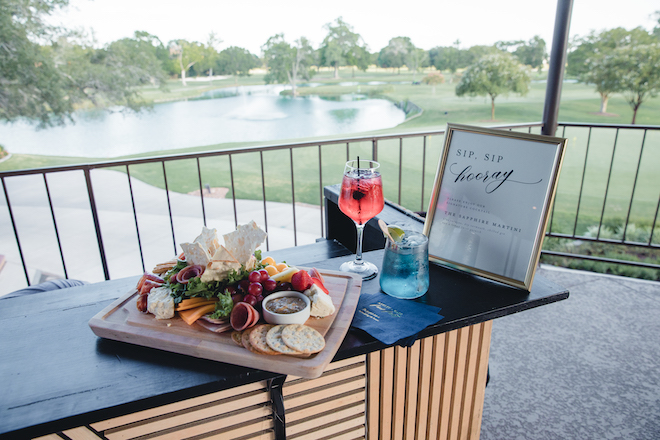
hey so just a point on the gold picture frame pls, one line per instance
(491, 201)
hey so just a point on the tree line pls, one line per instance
(47, 72)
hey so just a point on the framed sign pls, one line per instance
(491, 201)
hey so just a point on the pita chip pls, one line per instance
(244, 241)
(196, 253)
(208, 239)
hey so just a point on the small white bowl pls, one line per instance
(286, 318)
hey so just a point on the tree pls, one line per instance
(416, 59)
(188, 53)
(593, 59)
(494, 75)
(30, 84)
(433, 79)
(594, 45)
(639, 71)
(603, 74)
(286, 63)
(236, 61)
(395, 53)
(46, 83)
(342, 47)
(445, 58)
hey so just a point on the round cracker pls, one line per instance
(258, 339)
(303, 338)
(236, 337)
(274, 340)
(245, 337)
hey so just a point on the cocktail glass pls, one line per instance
(361, 198)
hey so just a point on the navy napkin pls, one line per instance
(392, 320)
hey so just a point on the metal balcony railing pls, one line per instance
(75, 228)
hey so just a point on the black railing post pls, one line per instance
(556, 69)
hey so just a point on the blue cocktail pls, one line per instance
(405, 272)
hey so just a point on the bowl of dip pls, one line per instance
(286, 307)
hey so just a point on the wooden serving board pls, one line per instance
(121, 321)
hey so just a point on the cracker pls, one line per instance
(258, 339)
(274, 340)
(236, 337)
(303, 338)
(245, 340)
(245, 337)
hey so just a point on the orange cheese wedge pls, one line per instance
(192, 315)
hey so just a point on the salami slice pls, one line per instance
(188, 272)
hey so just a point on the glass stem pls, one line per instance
(358, 250)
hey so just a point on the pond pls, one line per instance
(236, 114)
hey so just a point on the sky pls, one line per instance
(249, 23)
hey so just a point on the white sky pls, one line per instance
(249, 23)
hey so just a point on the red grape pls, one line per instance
(250, 299)
(237, 297)
(255, 289)
(264, 274)
(230, 289)
(269, 284)
(284, 286)
(243, 285)
(255, 276)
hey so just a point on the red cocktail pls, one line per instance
(361, 199)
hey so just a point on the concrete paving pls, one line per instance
(39, 242)
(584, 368)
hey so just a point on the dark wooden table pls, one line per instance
(57, 374)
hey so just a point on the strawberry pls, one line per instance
(301, 281)
(319, 283)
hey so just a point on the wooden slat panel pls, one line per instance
(242, 432)
(400, 390)
(448, 383)
(327, 378)
(482, 374)
(354, 434)
(425, 383)
(437, 385)
(413, 367)
(185, 417)
(373, 395)
(386, 380)
(470, 383)
(242, 422)
(48, 437)
(317, 409)
(459, 378)
(80, 433)
(177, 406)
(330, 431)
(329, 418)
(344, 387)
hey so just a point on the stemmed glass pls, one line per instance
(361, 198)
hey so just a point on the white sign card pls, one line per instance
(491, 200)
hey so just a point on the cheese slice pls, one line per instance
(322, 305)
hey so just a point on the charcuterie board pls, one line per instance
(121, 321)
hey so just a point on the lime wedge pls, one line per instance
(396, 233)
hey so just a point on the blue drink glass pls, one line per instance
(405, 271)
